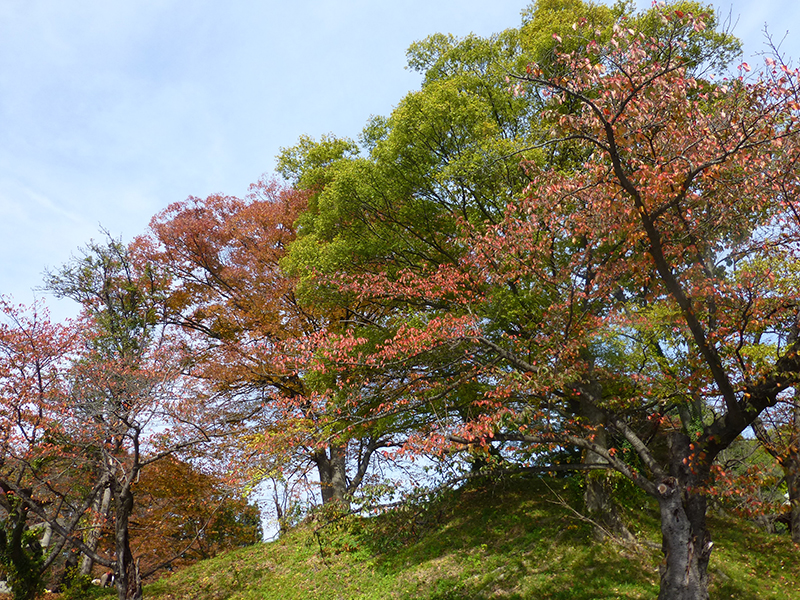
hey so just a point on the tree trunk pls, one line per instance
(791, 469)
(101, 507)
(129, 584)
(333, 475)
(686, 542)
(23, 557)
(601, 508)
(597, 493)
(324, 470)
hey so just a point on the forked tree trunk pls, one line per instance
(686, 542)
(333, 475)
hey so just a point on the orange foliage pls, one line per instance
(186, 513)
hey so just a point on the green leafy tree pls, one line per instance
(451, 158)
(645, 291)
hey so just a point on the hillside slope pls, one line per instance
(497, 540)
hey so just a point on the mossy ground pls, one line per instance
(511, 540)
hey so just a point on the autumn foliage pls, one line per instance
(569, 252)
(652, 278)
(186, 515)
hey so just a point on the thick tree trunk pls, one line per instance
(101, 508)
(686, 542)
(333, 475)
(791, 467)
(602, 509)
(129, 584)
(686, 546)
(597, 493)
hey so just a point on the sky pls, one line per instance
(111, 110)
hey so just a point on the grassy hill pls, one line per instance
(510, 540)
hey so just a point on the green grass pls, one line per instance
(499, 540)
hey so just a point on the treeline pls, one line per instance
(573, 249)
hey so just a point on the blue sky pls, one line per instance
(111, 110)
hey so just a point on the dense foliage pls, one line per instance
(573, 249)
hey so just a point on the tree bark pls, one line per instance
(600, 505)
(333, 475)
(791, 469)
(686, 542)
(597, 494)
(101, 508)
(129, 584)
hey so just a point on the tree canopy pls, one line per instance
(573, 249)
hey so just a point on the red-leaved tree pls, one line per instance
(86, 407)
(250, 335)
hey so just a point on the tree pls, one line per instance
(64, 451)
(645, 270)
(238, 308)
(35, 486)
(184, 514)
(686, 202)
(452, 147)
(450, 153)
(129, 404)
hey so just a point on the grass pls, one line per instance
(502, 540)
